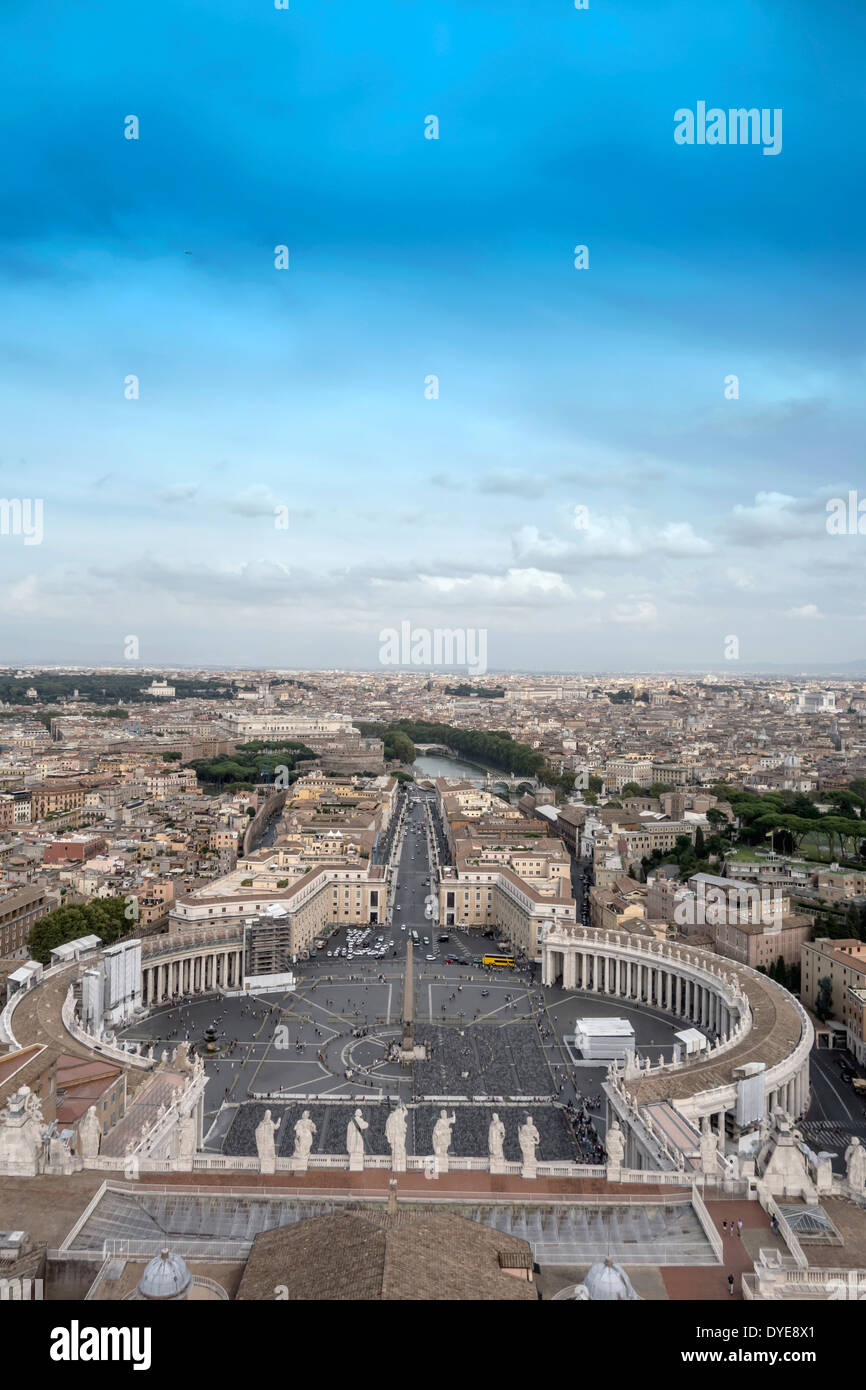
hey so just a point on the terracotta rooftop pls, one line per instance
(387, 1255)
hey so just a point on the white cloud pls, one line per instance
(515, 586)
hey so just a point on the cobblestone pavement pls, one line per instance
(469, 1134)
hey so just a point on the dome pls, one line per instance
(165, 1277)
(608, 1282)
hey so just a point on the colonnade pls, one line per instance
(671, 981)
(651, 982)
(199, 972)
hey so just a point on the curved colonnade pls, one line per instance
(196, 963)
(755, 1020)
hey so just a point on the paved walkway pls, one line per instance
(711, 1281)
(376, 1180)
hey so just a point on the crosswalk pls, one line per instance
(830, 1136)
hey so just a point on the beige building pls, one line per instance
(759, 945)
(50, 797)
(843, 962)
(621, 906)
(635, 845)
(19, 911)
(856, 1022)
(494, 896)
(838, 884)
(309, 904)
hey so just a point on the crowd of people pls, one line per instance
(589, 1145)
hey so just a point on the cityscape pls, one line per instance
(432, 694)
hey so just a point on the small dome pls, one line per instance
(608, 1282)
(165, 1277)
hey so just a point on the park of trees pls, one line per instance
(252, 763)
(102, 917)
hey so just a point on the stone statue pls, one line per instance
(61, 1161)
(89, 1133)
(395, 1133)
(709, 1148)
(496, 1139)
(614, 1144)
(180, 1057)
(355, 1135)
(529, 1141)
(21, 1145)
(163, 1057)
(442, 1133)
(265, 1146)
(855, 1164)
(186, 1139)
(304, 1132)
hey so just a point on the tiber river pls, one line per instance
(434, 765)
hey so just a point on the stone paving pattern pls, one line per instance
(469, 1134)
(501, 1061)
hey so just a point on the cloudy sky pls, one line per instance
(582, 488)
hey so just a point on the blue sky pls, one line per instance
(304, 388)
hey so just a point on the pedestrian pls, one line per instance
(730, 1284)
(724, 1228)
(739, 1228)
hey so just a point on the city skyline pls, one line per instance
(409, 258)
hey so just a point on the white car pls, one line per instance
(431, 957)
(328, 953)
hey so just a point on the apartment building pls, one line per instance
(837, 885)
(618, 772)
(758, 945)
(635, 845)
(619, 906)
(677, 774)
(74, 849)
(855, 1026)
(843, 963)
(49, 798)
(222, 838)
(19, 910)
(492, 896)
(325, 896)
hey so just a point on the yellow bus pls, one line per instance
(507, 961)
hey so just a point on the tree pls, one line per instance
(700, 846)
(631, 789)
(824, 1001)
(102, 917)
(594, 784)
